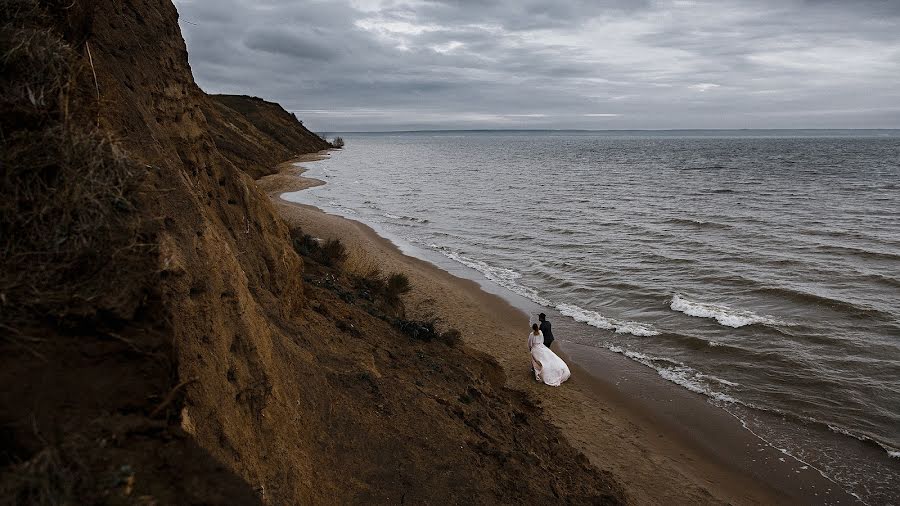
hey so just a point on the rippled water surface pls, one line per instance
(761, 271)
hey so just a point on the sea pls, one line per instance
(760, 269)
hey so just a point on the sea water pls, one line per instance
(758, 268)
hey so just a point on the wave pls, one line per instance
(716, 389)
(595, 319)
(680, 374)
(821, 300)
(891, 452)
(507, 278)
(337, 205)
(701, 167)
(405, 218)
(859, 252)
(724, 315)
(698, 223)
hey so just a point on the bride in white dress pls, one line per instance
(548, 367)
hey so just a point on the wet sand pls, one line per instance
(663, 443)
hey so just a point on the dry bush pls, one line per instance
(48, 478)
(386, 287)
(333, 253)
(69, 234)
(428, 330)
(70, 243)
(338, 142)
(330, 253)
(396, 285)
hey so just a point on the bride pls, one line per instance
(548, 367)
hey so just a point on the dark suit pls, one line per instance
(548, 334)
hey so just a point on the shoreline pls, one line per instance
(660, 441)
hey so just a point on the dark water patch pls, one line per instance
(655, 258)
(882, 279)
(846, 308)
(708, 167)
(859, 252)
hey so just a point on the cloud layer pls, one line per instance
(346, 65)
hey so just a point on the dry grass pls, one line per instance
(360, 263)
(68, 229)
(48, 479)
(70, 243)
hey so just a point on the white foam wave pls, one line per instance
(407, 218)
(595, 319)
(686, 377)
(338, 206)
(892, 452)
(680, 374)
(507, 278)
(717, 379)
(724, 315)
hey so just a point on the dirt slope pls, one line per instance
(219, 372)
(257, 135)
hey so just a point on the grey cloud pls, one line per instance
(279, 41)
(364, 64)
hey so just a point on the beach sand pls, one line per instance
(663, 443)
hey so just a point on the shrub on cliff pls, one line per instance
(427, 330)
(388, 288)
(330, 253)
(396, 285)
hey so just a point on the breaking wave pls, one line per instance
(509, 279)
(680, 374)
(723, 314)
(595, 319)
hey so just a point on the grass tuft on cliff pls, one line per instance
(70, 241)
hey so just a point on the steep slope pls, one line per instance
(257, 135)
(191, 364)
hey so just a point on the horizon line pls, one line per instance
(891, 129)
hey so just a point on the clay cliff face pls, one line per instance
(216, 376)
(257, 135)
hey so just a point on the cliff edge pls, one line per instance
(163, 340)
(257, 135)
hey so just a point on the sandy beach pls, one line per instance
(663, 443)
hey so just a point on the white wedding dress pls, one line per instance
(548, 367)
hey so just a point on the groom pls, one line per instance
(545, 329)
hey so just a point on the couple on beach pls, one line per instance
(545, 364)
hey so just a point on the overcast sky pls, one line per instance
(349, 65)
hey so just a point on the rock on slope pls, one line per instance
(190, 364)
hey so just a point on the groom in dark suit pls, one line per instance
(545, 329)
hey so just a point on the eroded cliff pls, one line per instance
(186, 360)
